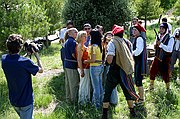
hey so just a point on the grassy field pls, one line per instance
(50, 103)
(49, 93)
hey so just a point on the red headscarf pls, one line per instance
(140, 28)
(117, 29)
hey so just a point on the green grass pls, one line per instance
(50, 90)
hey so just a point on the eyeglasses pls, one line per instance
(87, 28)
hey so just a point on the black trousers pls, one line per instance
(115, 77)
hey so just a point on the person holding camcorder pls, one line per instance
(18, 70)
(176, 51)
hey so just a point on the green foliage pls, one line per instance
(167, 4)
(177, 8)
(53, 10)
(95, 12)
(22, 17)
(148, 9)
(49, 89)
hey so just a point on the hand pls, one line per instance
(158, 43)
(82, 73)
(85, 62)
(155, 46)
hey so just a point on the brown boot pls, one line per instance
(170, 74)
(151, 85)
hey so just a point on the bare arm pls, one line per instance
(38, 62)
(79, 59)
(92, 60)
(109, 59)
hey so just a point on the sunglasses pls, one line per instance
(134, 21)
(87, 28)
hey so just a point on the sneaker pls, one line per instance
(140, 102)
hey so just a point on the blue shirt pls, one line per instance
(18, 70)
(70, 48)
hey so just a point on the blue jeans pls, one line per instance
(96, 79)
(25, 112)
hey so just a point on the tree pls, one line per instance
(177, 8)
(53, 10)
(95, 12)
(167, 4)
(22, 17)
(148, 9)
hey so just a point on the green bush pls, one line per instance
(106, 13)
(22, 17)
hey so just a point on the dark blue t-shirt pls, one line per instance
(70, 48)
(18, 70)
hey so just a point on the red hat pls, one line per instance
(140, 28)
(117, 29)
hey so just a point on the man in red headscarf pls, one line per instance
(121, 67)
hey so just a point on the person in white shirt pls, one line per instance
(120, 72)
(161, 63)
(62, 32)
(176, 51)
(140, 58)
(164, 20)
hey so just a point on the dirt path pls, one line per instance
(50, 72)
(51, 107)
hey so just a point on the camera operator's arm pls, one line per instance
(38, 62)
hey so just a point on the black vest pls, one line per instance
(113, 65)
(160, 53)
(139, 57)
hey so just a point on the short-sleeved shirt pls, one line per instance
(18, 70)
(70, 48)
(96, 50)
(62, 33)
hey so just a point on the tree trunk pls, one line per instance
(145, 20)
(47, 41)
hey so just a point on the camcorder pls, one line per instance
(32, 46)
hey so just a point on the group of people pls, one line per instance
(99, 62)
(95, 62)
